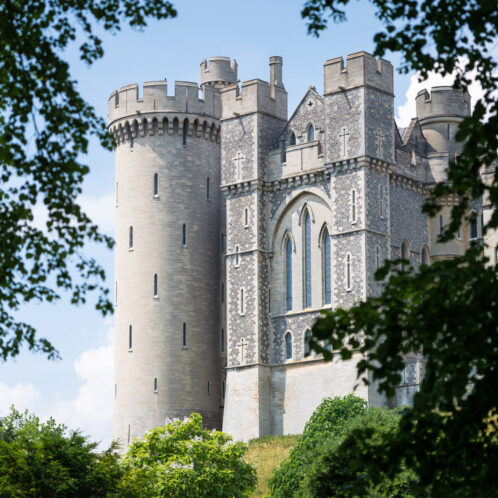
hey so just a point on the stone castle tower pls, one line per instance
(236, 225)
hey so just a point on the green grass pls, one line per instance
(266, 454)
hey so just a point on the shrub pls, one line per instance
(334, 464)
(328, 419)
(45, 459)
(184, 460)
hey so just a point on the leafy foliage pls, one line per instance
(334, 470)
(45, 126)
(447, 312)
(184, 460)
(43, 459)
(328, 419)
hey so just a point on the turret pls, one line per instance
(219, 73)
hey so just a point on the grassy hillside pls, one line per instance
(266, 453)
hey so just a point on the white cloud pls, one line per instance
(407, 111)
(92, 408)
(24, 396)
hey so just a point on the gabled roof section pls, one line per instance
(413, 132)
(309, 110)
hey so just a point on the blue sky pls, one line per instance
(79, 389)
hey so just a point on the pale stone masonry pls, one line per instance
(236, 225)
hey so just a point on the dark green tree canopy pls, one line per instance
(45, 126)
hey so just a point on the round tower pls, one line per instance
(439, 114)
(167, 256)
(219, 72)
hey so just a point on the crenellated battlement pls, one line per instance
(218, 72)
(442, 101)
(257, 95)
(361, 69)
(127, 102)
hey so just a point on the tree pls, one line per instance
(448, 311)
(184, 460)
(44, 459)
(333, 470)
(328, 420)
(45, 126)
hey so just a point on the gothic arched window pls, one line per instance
(353, 206)
(348, 272)
(130, 242)
(327, 287)
(424, 256)
(288, 346)
(288, 274)
(184, 335)
(130, 338)
(307, 347)
(307, 261)
(292, 139)
(155, 285)
(310, 134)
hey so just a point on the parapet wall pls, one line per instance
(362, 69)
(127, 101)
(218, 72)
(442, 101)
(254, 96)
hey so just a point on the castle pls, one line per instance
(236, 226)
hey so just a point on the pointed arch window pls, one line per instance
(184, 235)
(156, 184)
(130, 338)
(327, 287)
(473, 225)
(155, 285)
(237, 257)
(424, 256)
(130, 241)
(307, 347)
(184, 335)
(307, 260)
(292, 139)
(353, 206)
(288, 346)
(288, 274)
(207, 189)
(310, 134)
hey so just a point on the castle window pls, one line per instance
(310, 134)
(459, 233)
(307, 261)
(440, 224)
(348, 272)
(405, 254)
(222, 243)
(307, 347)
(156, 184)
(353, 206)
(288, 274)
(237, 258)
(130, 338)
(155, 285)
(241, 302)
(381, 201)
(292, 139)
(473, 226)
(377, 257)
(184, 335)
(184, 235)
(207, 188)
(155, 384)
(132, 142)
(424, 256)
(222, 292)
(130, 241)
(327, 288)
(209, 387)
(246, 217)
(222, 340)
(288, 346)
(184, 132)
